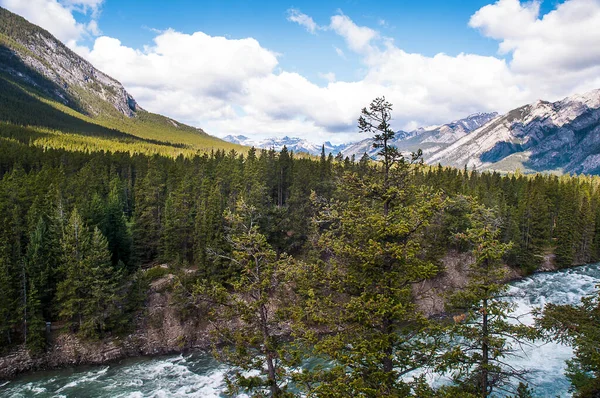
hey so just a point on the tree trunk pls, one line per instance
(269, 357)
(485, 351)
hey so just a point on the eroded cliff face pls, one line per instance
(158, 330)
(430, 294)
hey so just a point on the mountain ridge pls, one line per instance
(295, 144)
(429, 139)
(561, 136)
(60, 65)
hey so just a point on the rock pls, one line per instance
(159, 331)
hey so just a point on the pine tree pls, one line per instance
(42, 261)
(566, 226)
(36, 325)
(9, 303)
(114, 225)
(88, 294)
(71, 290)
(248, 315)
(484, 332)
(101, 282)
(209, 232)
(369, 246)
(177, 237)
(149, 213)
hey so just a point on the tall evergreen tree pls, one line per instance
(71, 290)
(249, 314)
(369, 242)
(88, 292)
(101, 284)
(114, 224)
(484, 333)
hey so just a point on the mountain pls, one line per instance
(430, 139)
(291, 143)
(45, 85)
(562, 136)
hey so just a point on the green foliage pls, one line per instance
(155, 273)
(368, 244)
(484, 333)
(88, 295)
(36, 326)
(249, 311)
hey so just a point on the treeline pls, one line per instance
(76, 228)
(543, 215)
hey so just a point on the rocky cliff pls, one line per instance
(159, 330)
(76, 83)
(562, 136)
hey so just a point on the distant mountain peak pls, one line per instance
(561, 136)
(430, 139)
(291, 143)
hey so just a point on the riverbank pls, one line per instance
(201, 375)
(159, 329)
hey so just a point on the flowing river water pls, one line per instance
(198, 375)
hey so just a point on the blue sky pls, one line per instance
(305, 68)
(426, 27)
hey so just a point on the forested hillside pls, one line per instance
(78, 229)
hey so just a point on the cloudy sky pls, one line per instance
(306, 68)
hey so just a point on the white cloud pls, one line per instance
(301, 19)
(197, 63)
(93, 28)
(232, 86)
(553, 54)
(329, 76)
(358, 38)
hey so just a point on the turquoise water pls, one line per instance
(199, 375)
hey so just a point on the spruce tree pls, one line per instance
(72, 290)
(368, 251)
(114, 225)
(248, 312)
(36, 325)
(101, 282)
(484, 333)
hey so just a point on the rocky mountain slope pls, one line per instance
(45, 85)
(430, 139)
(562, 136)
(291, 143)
(76, 81)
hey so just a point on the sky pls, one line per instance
(306, 68)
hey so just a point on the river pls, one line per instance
(198, 375)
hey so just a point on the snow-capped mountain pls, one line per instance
(563, 136)
(291, 143)
(429, 139)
